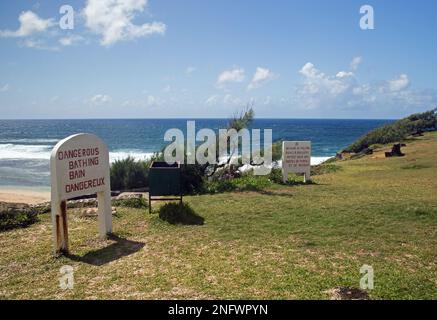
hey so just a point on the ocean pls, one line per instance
(25, 145)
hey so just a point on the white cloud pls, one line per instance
(212, 100)
(70, 40)
(344, 74)
(361, 90)
(100, 99)
(316, 82)
(399, 84)
(38, 44)
(224, 100)
(30, 24)
(310, 71)
(319, 89)
(190, 70)
(112, 19)
(151, 101)
(267, 100)
(229, 100)
(261, 76)
(355, 63)
(166, 89)
(343, 90)
(229, 76)
(5, 88)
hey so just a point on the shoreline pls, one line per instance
(27, 195)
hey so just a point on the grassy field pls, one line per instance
(288, 242)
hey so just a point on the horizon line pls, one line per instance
(192, 118)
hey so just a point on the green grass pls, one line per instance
(285, 242)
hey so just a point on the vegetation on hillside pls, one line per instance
(397, 131)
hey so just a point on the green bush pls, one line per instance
(275, 176)
(277, 151)
(192, 178)
(396, 131)
(219, 186)
(17, 218)
(251, 182)
(136, 203)
(128, 174)
(247, 182)
(180, 213)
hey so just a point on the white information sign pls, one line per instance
(79, 166)
(296, 158)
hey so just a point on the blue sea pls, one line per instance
(25, 145)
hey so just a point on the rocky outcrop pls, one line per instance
(15, 215)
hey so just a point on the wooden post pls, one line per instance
(64, 227)
(60, 234)
(150, 204)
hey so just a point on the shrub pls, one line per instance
(396, 131)
(247, 182)
(128, 174)
(180, 213)
(250, 182)
(219, 186)
(192, 178)
(275, 176)
(277, 150)
(17, 218)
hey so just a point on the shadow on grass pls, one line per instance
(300, 183)
(275, 193)
(121, 248)
(180, 213)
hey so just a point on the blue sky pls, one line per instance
(209, 58)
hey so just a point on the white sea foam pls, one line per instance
(318, 160)
(42, 152)
(21, 151)
(29, 141)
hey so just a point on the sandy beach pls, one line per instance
(28, 195)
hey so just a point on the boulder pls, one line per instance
(395, 151)
(129, 195)
(93, 212)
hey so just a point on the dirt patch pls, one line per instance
(347, 293)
